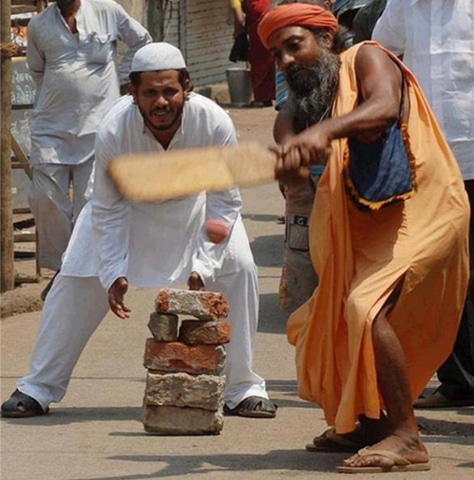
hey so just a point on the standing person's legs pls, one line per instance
(456, 375)
(262, 71)
(238, 282)
(402, 442)
(49, 201)
(80, 178)
(73, 309)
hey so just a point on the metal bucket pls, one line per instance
(240, 87)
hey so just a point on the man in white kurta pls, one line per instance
(436, 39)
(71, 53)
(150, 245)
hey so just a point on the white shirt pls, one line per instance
(436, 38)
(76, 76)
(159, 243)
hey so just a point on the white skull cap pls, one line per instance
(157, 56)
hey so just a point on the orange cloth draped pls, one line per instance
(300, 14)
(360, 257)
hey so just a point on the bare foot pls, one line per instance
(410, 448)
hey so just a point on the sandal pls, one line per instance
(20, 405)
(253, 407)
(400, 463)
(331, 442)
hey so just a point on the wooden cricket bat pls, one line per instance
(163, 176)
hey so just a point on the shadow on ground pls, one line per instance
(431, 426)
(271, 318)
(274, 460)
(268, 250)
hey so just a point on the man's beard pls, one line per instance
(312, 90)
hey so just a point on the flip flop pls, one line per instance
(401, 464)
(253, 407)
(20, 405)
(331, 442)
(438, 400)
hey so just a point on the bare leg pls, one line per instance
(392, 378)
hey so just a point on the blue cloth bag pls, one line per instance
(382, 172)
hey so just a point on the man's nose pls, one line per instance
(286, 61)
(161, 101)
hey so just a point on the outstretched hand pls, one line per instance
(195, 282)
(116, 296)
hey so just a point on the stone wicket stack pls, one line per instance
(184, 392)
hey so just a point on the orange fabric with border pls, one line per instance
(360, 256)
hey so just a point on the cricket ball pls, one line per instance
(216, 230)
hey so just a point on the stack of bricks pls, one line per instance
(184, 392)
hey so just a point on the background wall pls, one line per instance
(202, 29)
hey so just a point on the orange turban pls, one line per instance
(295, 14)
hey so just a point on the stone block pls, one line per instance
(182, 421)
(177, 357)
(200, 304)
(197, 332)
(184, 390)
(164, 327)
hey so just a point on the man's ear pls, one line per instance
(328, 40)
(187, 87)
(133, 92)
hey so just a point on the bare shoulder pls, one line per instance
(372, 59)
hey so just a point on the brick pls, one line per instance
(164, 327)
(199, 304)
(177, 357)
(197, 332)
(182, 421)
(184, 390)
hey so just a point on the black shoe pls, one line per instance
(20, 405)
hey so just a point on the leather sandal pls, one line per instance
(253, 407)
(438, 400)
(20, 405)
(331, 442)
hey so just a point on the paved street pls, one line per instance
(96, 431)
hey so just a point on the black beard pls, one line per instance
(312, 90)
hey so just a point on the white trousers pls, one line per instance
(52, 207)
(75, 306)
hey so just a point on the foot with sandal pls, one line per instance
(392, 442)
(253, 407)
(20, 405)
(368, 432)
(375, 449)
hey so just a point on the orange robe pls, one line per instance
(360, 256)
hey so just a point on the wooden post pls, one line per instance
(7, 270)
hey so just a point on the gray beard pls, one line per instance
(311, 98)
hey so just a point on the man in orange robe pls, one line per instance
(393, 275)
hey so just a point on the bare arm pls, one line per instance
(239, 20)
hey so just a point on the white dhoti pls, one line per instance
(53, 208)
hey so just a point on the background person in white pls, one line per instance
(158, 244)
(436, 39)
(71, 52)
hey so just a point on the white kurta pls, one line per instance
(436, 38)
(151, 243)
(76, 76)
(157, 245)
